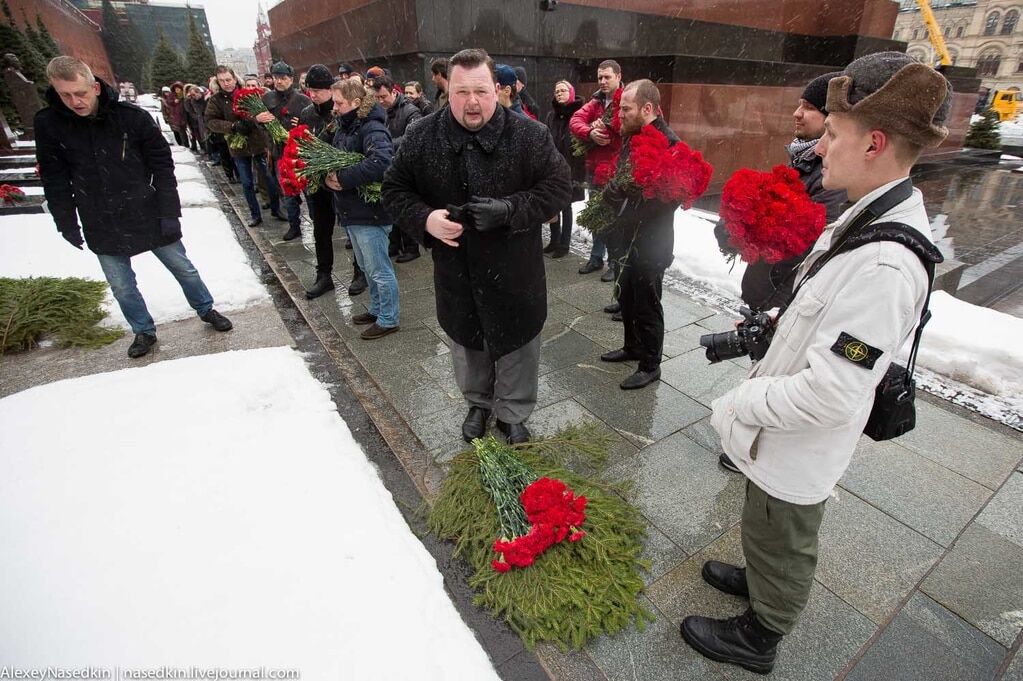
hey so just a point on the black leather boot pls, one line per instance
(324, 282)
(475, 423)
(724, 577)
(739, 640)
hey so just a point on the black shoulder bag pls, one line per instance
(894, 410)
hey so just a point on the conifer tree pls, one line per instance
(46, 38)
(984, 133)
(167, 66)
(124, 45)
(200, 64)
(33, 64)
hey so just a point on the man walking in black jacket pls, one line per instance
(106, 163)
(401, 113)
(285, 103)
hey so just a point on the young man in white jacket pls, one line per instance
(791, 428)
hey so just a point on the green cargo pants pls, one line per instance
(779, 541)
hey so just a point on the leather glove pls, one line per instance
(170, 227)
(243, 126)
(489, 213)
(73, 236)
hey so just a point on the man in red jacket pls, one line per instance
(591, 125)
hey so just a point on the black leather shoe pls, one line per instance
(641, 379)
(324, 282)
(142, 344)
(591, 266)
(217, 321)
(513, 432)
(617, 317)
(609, 275)
(549, 248)
(358, 284)
(278, 216)
(265, 205)
(475, 423)
(407, 257)
(619, 355)
(740, 640)
(363, 319)
(725, 577)
(293, 232)
(613, 307)
(559, 252)
(255, 222)
(727, 464)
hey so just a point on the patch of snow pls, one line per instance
(212, 511)
(183, 155)
(1012, 132)
(34, 248)
(1010, 157)
(17, 171)
(187, 173)
(196, 194)
(32, 191)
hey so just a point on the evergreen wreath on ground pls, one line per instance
(68, 309)
(567, 592)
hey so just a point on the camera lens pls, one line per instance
(722, 346)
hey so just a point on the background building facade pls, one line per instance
(152, 18)
(241, 59)
(981, 34)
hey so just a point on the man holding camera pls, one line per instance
(474, 184)
(791, 429)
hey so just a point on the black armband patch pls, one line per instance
(856, 351)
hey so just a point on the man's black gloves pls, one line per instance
(73, 236)
(170, 227)
(489, 213)
(243, 126)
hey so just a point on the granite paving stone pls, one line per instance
(440, 428)
(869, 559)
(924, 495)
(680, 488)
(643, 416)
(926, 641)
(681, 311)
(432, 324)
(522, 667)
(682, 340)
(564, 349)
(587, 295)
(691, 374)
(1015, 669)
(589, 374)
(720, 321)
(1004, 513)
(967, 448)
(560, 311)
(703, 434)
(408, 346)
(569, 665)
(981, 580)
(416, 305)
(827, 635)
(598, 327)
(657, 653)
(664, 555)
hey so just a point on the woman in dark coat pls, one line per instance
(564, 105)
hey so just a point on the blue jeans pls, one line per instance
(243, 164)
(291, 203)
(370, 244)
(120, 276)
(598, 250)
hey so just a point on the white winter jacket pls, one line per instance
(804, 405)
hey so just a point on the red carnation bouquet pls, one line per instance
(660, 171)
(535, 514)
(612, 123)
(307, 160)
(247, 102)
(10, 195)
(770, 216)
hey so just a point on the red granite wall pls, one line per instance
(75, 34)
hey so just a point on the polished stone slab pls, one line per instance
(1004, 513)
(643, 416)
(691, 374)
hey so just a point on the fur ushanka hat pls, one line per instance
(895, 93)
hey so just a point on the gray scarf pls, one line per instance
(798, 146)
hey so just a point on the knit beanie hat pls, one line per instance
(505, 75)
(895, 93)
(520, 74)
(281, 68)
(816, 92)
(319, 77)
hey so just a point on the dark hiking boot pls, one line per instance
(549, 248)
(611, 308)
(141, 346)
(641, 379)
(609, 275)
(294, 232)
(739, 640)
(591, 266)
(217, 321)
(475, 423)
(725, 577)
(255, 222)
(618, 317)
(514, 433)
(408, 256)
(560, 252)
(324, 282)
(358, 284)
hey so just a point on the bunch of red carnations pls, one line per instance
(247, 102)
(307, 160)
(555, 513)
(10, 195)
(770, 216)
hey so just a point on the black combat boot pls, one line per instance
(724, 577)
(324, 282)
(739, 640)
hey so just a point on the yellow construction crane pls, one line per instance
(934, 32)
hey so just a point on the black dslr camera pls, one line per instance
(752, 337)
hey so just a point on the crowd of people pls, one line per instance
(473, 177)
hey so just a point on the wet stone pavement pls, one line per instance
(921, 560)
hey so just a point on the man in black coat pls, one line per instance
(284, 103)
(106, 163)
(645, 234)
(505, 177)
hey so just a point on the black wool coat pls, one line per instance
(493, 287)
(557, 121)
(113, 171)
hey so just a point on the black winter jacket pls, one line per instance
(284, 106)
(220, 119)
(492, 287)
(399, 117)
(320, 120)
(363, 130)
(557, 121)
(114, 169)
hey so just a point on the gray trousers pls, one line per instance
(507, 386)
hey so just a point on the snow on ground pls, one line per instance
(34, 248)
(1012, 132)
(226, 520)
